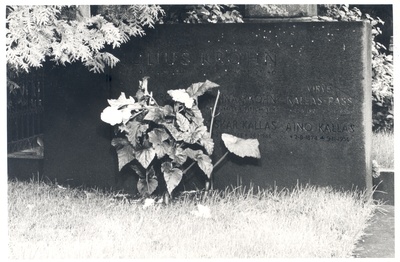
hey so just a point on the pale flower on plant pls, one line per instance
(112, 115)
(127, 112)
(120, 110)
(180, 95)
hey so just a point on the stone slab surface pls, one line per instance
(302, 89)
(77, 144)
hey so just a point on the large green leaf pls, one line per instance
(121, 101)
(146, 187)
(172, 175)
(194, 114)
(135, 129)
(157, 137)
(145, 156)
(167, 110)
(241, 147)
(182, 122)
(180, 95)
(178, 155)
(147, 183)
(207, 142)
(175, 133)
(194, 134)
(162, 149)
(155, 114)
(125, 151)
(198, 89)
(203, 160)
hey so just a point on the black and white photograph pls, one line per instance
(198, 130)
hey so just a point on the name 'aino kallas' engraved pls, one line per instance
(320, 127)
(208, 58)
(273, 125)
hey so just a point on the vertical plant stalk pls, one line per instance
(213, 113)
(209, 182)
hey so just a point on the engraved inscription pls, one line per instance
(234, 61)
(272, 103)
(244, 58)
(320, 89)
(281, 126)
(318, 101)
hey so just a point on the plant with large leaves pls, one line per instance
(172, 136)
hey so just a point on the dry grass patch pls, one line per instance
(47, 222)
(383, 149)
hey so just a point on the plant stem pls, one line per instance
(210, 181)
(152, 98)
(222, 158)
(213, 113)
(211, 127)
(211, 184)
(187, 169)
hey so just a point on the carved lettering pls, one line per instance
(226, 124)
(259, 125)
(185, 59)
(340, 101)
(316, 101)
(263, 60)
(299, 127)
(321, 88)
(205, 59)
(336, 128)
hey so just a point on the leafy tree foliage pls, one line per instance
(40, 32)
(382, 64)
(34, 33)
(196, 14)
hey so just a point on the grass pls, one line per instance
(383, 149)
(49, 222)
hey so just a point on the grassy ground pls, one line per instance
(49, 222)
(383, 149)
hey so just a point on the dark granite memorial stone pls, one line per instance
(77, 149)
(302, 89)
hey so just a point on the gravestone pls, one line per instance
(302, 89)
(77, 149)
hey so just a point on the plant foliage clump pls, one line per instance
(174, 137)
